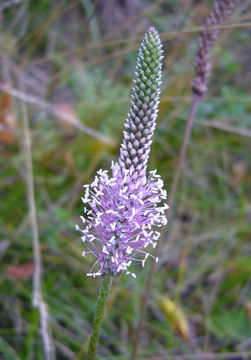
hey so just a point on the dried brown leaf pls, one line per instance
(7, 120)
(21, 271)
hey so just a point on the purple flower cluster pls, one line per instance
(124, 211)
(120, 220)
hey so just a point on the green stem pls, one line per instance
(99, 315)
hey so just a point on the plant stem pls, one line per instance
(99, 315)
(37, 296)
(190, 120)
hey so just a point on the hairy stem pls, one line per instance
(99, 315)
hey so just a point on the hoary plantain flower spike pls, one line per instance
(123, 211)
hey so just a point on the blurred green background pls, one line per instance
(70, 66)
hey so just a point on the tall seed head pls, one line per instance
(140, 123)
(221, 10)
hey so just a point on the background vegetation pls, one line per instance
(69, 65)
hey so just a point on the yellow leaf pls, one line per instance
(175, 317)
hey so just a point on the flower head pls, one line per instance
(124, 211)
(120, 220)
